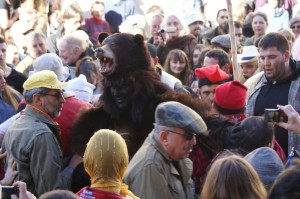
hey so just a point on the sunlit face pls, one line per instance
(37, 47)
(173, 22)
(296, 28)
(155, 25)
(259, 25)
(207, 92)
(248, 69)
(2, 54)
(12, 55)
(222, 19)
(98, 10)
(238, 34)
(155, 28)
(2, 80)
(68, 55)
(273, 63)
(52, 102)
(195, 28)
(177, 146)
(177, 67)
(196, 55)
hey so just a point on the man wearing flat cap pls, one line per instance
(34, 138)
(222, 42)
(161, 168)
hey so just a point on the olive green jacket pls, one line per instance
(151, 174)
(34, 142)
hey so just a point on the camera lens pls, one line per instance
(162, 31)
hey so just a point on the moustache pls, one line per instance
(188, 148)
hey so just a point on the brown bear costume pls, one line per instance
(130, 95)
(132, 90)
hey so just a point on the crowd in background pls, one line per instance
(191, 51)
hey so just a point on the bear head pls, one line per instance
(122, 53)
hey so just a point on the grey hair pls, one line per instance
(158, 129)
(74, 41)
(28, 94)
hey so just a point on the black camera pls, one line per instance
(7, 191)
(273, 115)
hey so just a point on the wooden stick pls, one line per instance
(233, 42)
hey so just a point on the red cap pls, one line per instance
(231, 96)
(210, 75)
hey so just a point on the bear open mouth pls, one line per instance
(106, 65)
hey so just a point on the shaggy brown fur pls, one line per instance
(134, 123)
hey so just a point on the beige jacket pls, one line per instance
(151, 174)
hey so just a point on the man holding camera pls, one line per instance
(280, 84)
(155, 29)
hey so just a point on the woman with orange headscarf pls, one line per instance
(105, 160)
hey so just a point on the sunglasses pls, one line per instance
(293, 27)
(57, 95)
(187, 136)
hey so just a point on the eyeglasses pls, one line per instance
(187, 136)
(293, 27)
(57, 95)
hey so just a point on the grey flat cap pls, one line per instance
(175, 114)
(223, 40)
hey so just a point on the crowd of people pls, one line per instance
(116, 103)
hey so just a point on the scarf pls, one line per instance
(105, 160)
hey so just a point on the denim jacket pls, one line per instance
(293, 99)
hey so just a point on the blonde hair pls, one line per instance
(232, 177)
(9, 95)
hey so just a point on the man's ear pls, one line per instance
(37, 99)
(77, 50)
(163, 137)
(287, 55)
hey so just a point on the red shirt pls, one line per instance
(69, 112)
(89, 193)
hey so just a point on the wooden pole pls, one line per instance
(233, 42)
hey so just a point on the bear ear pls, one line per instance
(102, 36)
(139, 39)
